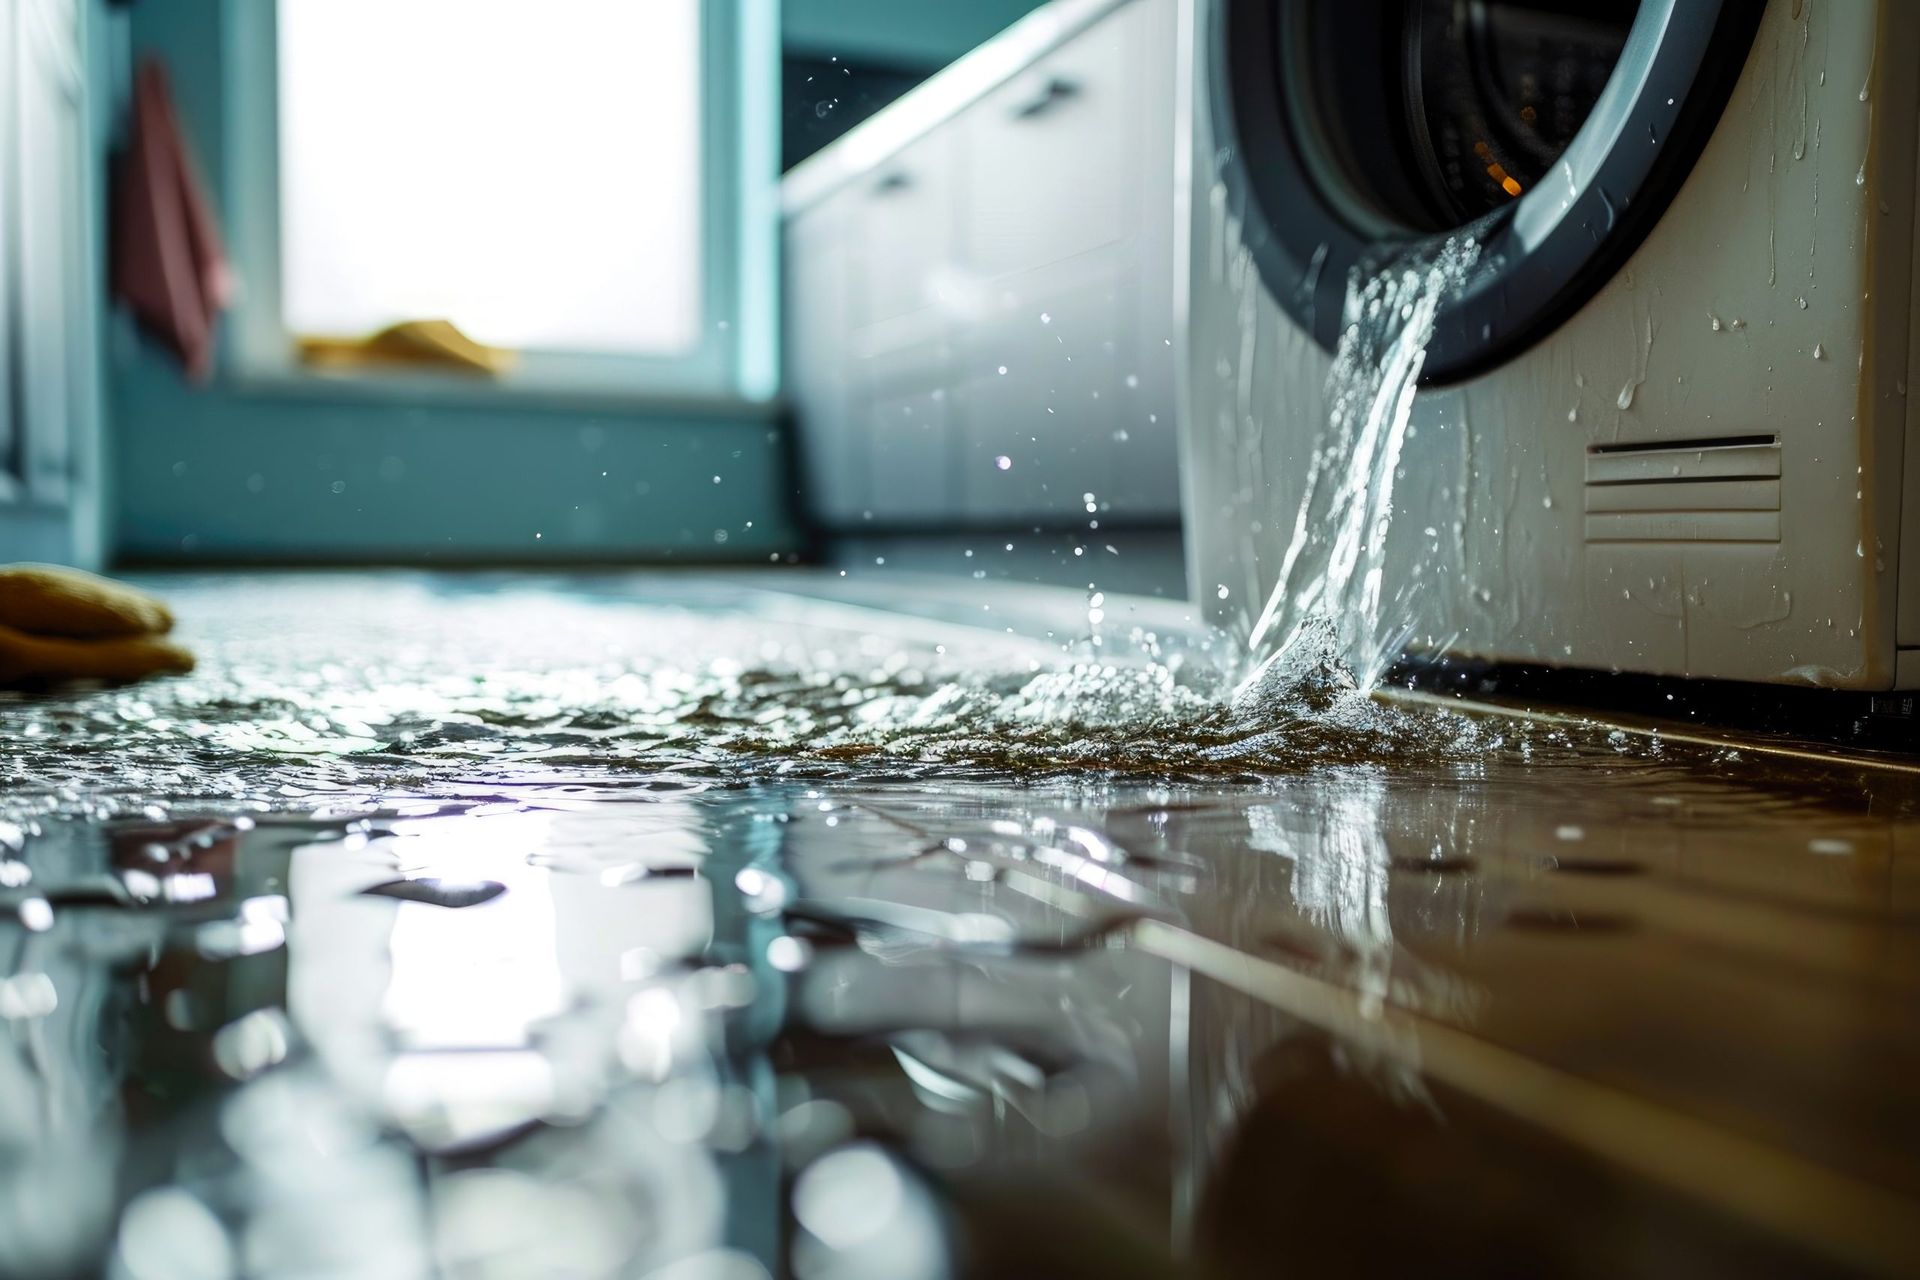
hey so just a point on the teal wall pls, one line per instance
(311, 473)
(228, 474)
(904, 33)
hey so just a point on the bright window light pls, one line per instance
(531, 172)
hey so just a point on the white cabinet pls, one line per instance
(817, 245)
(52, 220)
(901, 340)
(11, 485)
(48, 285)
(980, 314)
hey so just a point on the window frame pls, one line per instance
(736, 356)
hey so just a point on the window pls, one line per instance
(587, 182)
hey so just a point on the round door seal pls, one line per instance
(1544, 254)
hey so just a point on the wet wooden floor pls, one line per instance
(1575, 1002)
(1651, 1015)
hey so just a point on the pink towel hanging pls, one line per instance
(170, 268)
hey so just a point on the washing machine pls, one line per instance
(1659, 416)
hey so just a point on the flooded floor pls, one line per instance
(709, 926)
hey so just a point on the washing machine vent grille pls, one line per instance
(1725, 489)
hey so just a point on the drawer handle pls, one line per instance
(1057, 90)
(892, 183)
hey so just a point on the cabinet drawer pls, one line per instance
(1051, 156)
(818, 367)
(903, 219)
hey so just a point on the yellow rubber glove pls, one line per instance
(62, 624)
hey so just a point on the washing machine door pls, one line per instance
(1555, 132)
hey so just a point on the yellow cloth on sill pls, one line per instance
(413, 343)
(63, 624)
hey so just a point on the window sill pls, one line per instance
(426, 389)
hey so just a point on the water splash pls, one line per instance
(339, 693)
(1333, 589)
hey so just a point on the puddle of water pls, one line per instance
(515, 951)
(433, 688)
